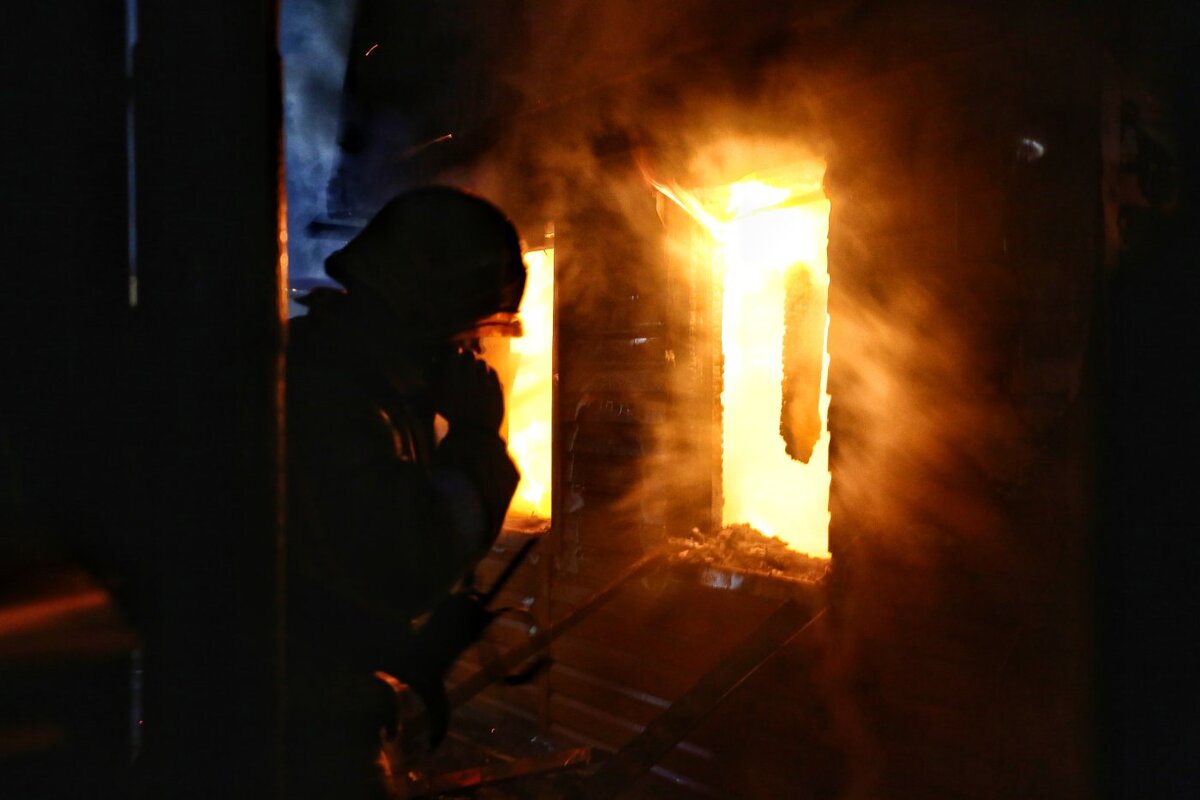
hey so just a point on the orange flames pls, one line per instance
(763, 233)
(525, 366)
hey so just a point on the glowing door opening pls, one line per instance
(768, 260)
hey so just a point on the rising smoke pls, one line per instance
(314, 36)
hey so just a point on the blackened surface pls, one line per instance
(65, 661)
(1148, 552)
(64, 710)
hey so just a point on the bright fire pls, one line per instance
(763, 232)
(530, 390)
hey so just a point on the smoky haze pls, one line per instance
(314, 37)
(704, 94)
(613, 92)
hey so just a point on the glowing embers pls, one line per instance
(525, 366)
(768, 258)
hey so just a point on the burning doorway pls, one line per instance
(526, 369)
(760, 251)
(743, 426)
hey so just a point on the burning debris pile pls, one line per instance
(742, 548)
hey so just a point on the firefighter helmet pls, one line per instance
(443, 260)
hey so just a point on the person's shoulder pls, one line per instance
(307, 349)
(318, 373)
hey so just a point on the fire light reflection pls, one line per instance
(527, 372)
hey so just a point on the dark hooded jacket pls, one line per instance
(384, 519)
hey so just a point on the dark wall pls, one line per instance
(965, 257)
(63, 366)
(141, 444)
(63, 307)
(1147, 553)
(1013, 609)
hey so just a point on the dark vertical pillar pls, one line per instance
(208, 157)
(1146, 550)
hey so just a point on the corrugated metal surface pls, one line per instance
(638, 654)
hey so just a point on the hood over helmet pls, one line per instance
(444, 261)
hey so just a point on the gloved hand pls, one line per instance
(455, 624)
(427, 654)
(467, 393)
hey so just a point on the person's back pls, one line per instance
(383, 518)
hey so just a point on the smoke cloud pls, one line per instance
(923, 419)
(314, 36)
